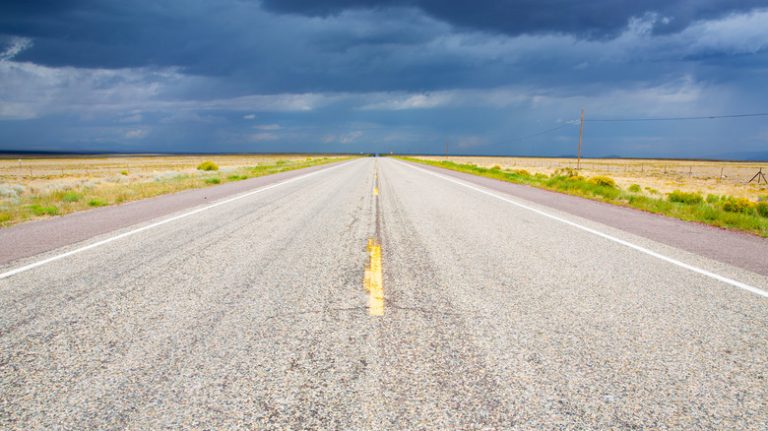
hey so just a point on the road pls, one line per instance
(256, 311)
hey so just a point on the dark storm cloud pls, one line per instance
(256, 51)
(111, 34)
(359, 46)
(591, 18)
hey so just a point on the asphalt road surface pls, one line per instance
(260, 310)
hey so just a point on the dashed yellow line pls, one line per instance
(373, 280)
(375, 191)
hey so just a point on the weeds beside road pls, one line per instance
(664, 176)
(22, 200)
(716, 210)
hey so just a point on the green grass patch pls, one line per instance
(97, 203)
(722, 211)
(43, 210)
(762, 209)
(237, 177)
(71, 196)
(685, 197)
(214, 180)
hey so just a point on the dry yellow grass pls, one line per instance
(33, 187)
(661, 175)
(43, 171)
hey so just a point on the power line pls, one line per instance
(708, 117)
(520, 138)
(616, 120)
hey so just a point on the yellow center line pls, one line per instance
(373, 280)
(375, 191)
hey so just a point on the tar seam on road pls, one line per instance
(641, 249)
(159, 223)
(373, 278)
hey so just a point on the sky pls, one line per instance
(499, 77)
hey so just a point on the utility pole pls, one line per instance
(581, 135)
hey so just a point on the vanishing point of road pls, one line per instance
(376, 294)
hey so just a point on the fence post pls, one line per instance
(581, 134)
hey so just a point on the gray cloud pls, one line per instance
(515, 17)
(358, 75)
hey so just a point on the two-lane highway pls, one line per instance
(260, 312)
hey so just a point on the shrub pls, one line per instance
(652, 191)
(123, 172)
(213, 180)
(97, 202)
(737, 205)
(71, 197)
(237, 177)
(281, 162)
(604, 181)
(713, 199)
(41, 210)
(495, 168)
(565, 172)
(11, 191)
(581, 186)
(685, 197)
(762, 208)
(762, 198)
(167, 176)
(208, 166)
(634, 188)
(4, 217)
(521, 173)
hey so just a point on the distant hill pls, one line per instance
(742, 155)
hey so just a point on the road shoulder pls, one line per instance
(32, 238)
(735, 248)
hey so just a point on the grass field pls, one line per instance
(36, 187)
(692, 191)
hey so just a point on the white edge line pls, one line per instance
(160, 223)
(641, 249)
